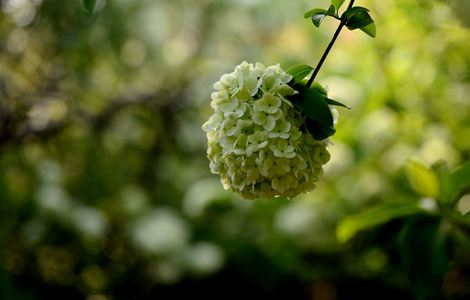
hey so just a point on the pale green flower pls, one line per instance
(268, 103)
(283, 183)
(241, 144)
(321, 155)
(233, 107)
(231, 82)
(213, 122)
(283, 149)
(219, 97)
(267, 120)
(237, 129)
(255, 142)
(282, 130)
(273, 167)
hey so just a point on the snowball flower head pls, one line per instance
(255, 138)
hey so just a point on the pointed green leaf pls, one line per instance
(319, 88)
(423, 179)
(352, 11)
(441, 169)
(460, 182)
(375, 216)
(312, 103)
(314, 11)
(337, 3)
(331, 11)
(298, 72)
(318, 18)
(89, 5)
(336, 103)
(315, 107)
(359, 17)
(369, 30)
(359, 20)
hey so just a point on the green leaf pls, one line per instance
(442, 171)
(336, 103)
(331, 11)
(298, 72)
(352, 11)
(423, 179)
(319, 88)
(359, 20)
(313, 104)
(317, 19)
(423, 249)
(318, 130)
(89, 5)
(459, 182)
(337, 3)
(369, 30)
(314, 11)
(358, 17)
(376, 215)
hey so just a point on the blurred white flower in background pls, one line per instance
(204, 258)
(160, 231)
(200, 195)
(296, 219)
(53, 199)
(90, 222)
(22, 12)
(134, 199)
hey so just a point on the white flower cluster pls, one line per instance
(254, 139)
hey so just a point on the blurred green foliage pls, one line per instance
(105, 191)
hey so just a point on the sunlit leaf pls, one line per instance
(299, 72)
(442, 171)
(359, 20)
(337, 3)
(352, 11)
(336, 103)
(314, 11)
(369, 30)
(318, 18)
(423, 179)
(459, 182)
(331, 11)
(319, 88)
(375, 216)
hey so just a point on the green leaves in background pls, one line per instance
(89, 5)
(439, 182)
(459, 183)
(358, 17)
(376, 215)
(423, 248)
(423, 179)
